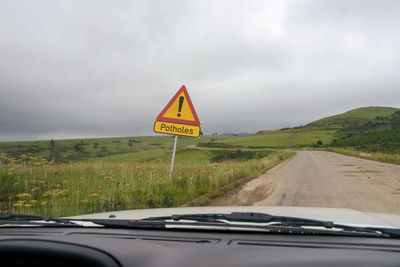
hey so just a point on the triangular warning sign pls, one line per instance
(180, 109)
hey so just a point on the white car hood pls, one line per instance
(337, 215)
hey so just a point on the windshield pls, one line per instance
(111, 106)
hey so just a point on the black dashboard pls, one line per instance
(65, 246)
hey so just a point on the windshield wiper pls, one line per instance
(270, 222)
(11, 218)
(248, 217)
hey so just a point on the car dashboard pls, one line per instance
(98, 246)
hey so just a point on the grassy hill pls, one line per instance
(283, 138)
(132, 149)
(381, 134)
(355, 116)
(325, 130)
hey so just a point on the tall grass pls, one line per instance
(35, 186)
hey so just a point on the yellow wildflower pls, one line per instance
(43, 203)
(28, 205)
(24, 195)
(93, 195)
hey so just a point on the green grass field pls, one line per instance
(36, 186)
(283, 138)
(98, 148)
(132, 174)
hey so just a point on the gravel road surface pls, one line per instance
(323, 179)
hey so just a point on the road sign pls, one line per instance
(177, 129)
(178, 117)
(180, 109)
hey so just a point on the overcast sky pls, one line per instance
(71, 69)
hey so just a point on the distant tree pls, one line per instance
(78, 147)
(52, 153)
(320, 143)
(95, 145)
(52, 144)
(130, 142)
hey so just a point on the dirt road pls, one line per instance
(323, 179)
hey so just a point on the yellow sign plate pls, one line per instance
(176, 129)
(180, 109)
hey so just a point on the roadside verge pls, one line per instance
(205, 199)
(377, 156)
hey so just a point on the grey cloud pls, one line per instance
(107, 68)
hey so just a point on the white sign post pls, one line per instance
(173, 158)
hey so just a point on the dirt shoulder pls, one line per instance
(233, 188)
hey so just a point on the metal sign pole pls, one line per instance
(173, 158)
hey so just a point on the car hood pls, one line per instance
(337, 215)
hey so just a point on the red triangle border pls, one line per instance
(161, 117)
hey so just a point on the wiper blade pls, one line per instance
(246, 221)
(11, 218)
(261, 218)
(248, 217)
(7, 218)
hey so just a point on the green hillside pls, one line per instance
(283, 138)
(133, 149)
(350, 125)
(354, 116)
(324, 130)
(381, 134)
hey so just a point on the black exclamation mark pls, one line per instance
(181, 99)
